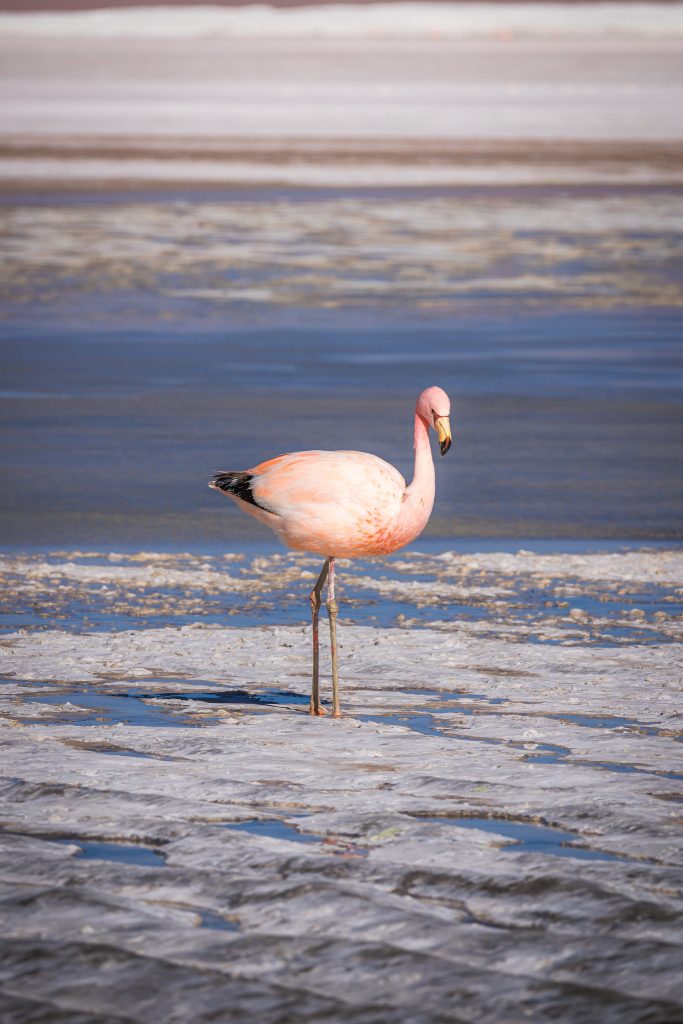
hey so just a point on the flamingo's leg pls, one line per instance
(332, 609)
(316, 601)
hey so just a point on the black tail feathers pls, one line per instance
(238, 484)
(227, 482)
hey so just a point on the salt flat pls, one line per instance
(491, 829)
(308, 212)
(313, 96)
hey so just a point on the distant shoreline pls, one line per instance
(86, 163)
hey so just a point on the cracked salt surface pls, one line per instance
(494, 826)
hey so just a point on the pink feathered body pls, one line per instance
(347, 504)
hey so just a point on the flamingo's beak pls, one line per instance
(443, 432)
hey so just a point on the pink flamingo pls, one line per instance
(349, 503)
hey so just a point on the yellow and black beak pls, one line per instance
(443, 432)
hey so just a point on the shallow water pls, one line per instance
(528, 837)
(219, 331)
(121, 853)
(275, 829)
(129, 708)
(427, 585)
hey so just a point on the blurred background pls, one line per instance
(235, 230)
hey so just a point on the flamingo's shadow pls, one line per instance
(262, 698)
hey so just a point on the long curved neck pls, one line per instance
(420, 494)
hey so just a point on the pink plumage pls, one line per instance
(344, 504)
(348, 503)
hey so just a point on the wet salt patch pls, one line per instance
(439, 725)
(109, 749)
(552, 754)
(122, 853)
(122, 752)
(631, 769)
(529, 838)
(645, 566)
(448, 696)
(607, 722)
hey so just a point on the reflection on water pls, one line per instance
(121, 853)
(528, 837)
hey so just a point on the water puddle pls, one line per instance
(606, 722)
(545, 753)
(527, 837)
(422, 723)
(216, 922)
(122, 853)
(130, 708)
(134, 708)
(274, 829)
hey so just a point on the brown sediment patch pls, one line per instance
(350, 151)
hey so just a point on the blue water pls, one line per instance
(274, 829)
(551, 437)
(608, 722)
(140, 856)
(530, 838)
(91, 607)
(128, 708)
(216, 922)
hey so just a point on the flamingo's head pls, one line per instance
(434, 407)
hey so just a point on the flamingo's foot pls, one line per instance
(337, 714)
(317, 711)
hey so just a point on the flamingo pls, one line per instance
(343, 504)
